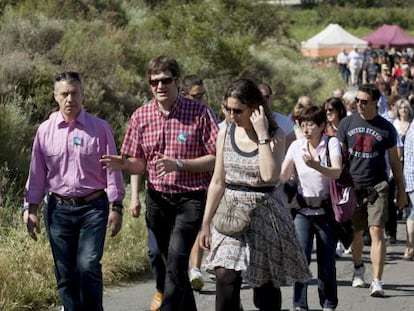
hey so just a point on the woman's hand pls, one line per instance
(260, 123)
(205, 237)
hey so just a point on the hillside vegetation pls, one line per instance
(110, 42)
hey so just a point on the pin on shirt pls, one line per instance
(77, 141)
(182, 137)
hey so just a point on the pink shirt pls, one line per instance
(189, 131)
(65, 159)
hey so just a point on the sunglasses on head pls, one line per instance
(164, 81)
(362, 101)
(234, 110)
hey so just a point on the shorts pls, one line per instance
(411, 206)
(374, 213)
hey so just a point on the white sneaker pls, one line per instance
(358, 277)
(348, 251)
(339, 249)
(196, 279)
(376, 288)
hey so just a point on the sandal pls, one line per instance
(408, 256)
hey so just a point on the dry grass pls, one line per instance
(26, 267)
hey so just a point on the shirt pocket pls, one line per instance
(53, 156)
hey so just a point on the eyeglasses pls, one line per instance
(234, 110)
(330, 109)
(67, 76)
(198, 96)
(164, 81)
(362, 101)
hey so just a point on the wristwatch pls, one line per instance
(117, 208)
(180, 164)
(264, 141)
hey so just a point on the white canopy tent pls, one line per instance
(330, 41)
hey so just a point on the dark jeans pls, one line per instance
(391, 224)
(175, 221)
(77, 236)
(156, 262)
(320, 226)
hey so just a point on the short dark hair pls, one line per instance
(189, 81)
(163, 63)
(371, 90)
(68, 76)
(314, 114)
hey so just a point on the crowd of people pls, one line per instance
(191, 165)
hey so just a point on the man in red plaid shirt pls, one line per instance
(172, 139)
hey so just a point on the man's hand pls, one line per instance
(165, 165)
(135, 208)
(115, 222)
(113, 162)
(401, 199)
(32, 223)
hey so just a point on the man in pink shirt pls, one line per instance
(65, 164)
(172, 139)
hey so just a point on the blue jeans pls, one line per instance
(77, 236)
(156, 262)
(320, 226)
(175, 221)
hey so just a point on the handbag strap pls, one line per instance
(328, 158)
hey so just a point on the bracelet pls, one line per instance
(264, 141)
(117, 208)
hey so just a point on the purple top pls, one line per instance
(65, 159)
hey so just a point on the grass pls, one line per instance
(26, 267)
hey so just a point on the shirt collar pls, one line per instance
(177, 103)
(322, 143)
(81, 119)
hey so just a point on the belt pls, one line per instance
(77, 201)
(177, 195)
(263, 189)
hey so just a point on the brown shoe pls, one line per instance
(156, 302)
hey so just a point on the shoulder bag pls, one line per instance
(342, 192)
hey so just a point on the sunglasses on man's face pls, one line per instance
(164, 81)
(237, 111)
(362, 101)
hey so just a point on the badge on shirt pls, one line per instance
(182, 137)
(77, 141)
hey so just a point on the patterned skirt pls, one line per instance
(268, 251)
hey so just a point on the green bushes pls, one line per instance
(110, 43)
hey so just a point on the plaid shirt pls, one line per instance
(189, 131)
(409, 159)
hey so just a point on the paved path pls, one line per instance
(398, 278)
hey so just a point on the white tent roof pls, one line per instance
(334, 36)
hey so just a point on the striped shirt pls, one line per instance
(189, 131)
(409, 159)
